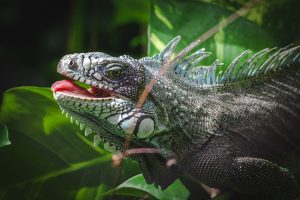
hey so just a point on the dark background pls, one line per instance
(36, 34)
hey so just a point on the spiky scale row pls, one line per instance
(259, 64)
(88, 131)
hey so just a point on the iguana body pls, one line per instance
(237, 130)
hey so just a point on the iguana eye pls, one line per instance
(114, 72)
(72, 64)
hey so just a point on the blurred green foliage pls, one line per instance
(4, 136)
(38, 34)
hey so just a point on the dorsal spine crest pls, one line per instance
(244, 67)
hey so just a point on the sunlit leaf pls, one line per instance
(191, 19)
(277, 17)
(136, 186)
(4, 136)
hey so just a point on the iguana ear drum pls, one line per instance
(145, 128)
(142, 127)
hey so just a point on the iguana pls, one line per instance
(236, 129)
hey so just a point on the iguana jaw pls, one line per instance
(68, 94)
(86, 107)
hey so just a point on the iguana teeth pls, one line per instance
(82, 125)
(97, 140)
(87, 131)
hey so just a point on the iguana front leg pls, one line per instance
(247, 175)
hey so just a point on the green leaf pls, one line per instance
(77, 30)
(91, 193)
(191, 19)
(137, 186)
(131, 11)
(48, 153)
(4, 136)
(276, 17)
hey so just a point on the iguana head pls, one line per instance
(108, 107)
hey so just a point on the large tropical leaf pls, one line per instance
(191, 19)
(49, 158)
(136, 185)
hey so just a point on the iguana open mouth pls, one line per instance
(69, 87)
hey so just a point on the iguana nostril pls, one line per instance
(59, 65)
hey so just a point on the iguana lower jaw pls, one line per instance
(73, 99)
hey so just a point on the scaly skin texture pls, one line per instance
(234, 130)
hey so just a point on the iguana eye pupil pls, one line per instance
(115, 72)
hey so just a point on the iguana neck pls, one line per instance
(181, 107)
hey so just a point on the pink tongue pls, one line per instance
(67, 85)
